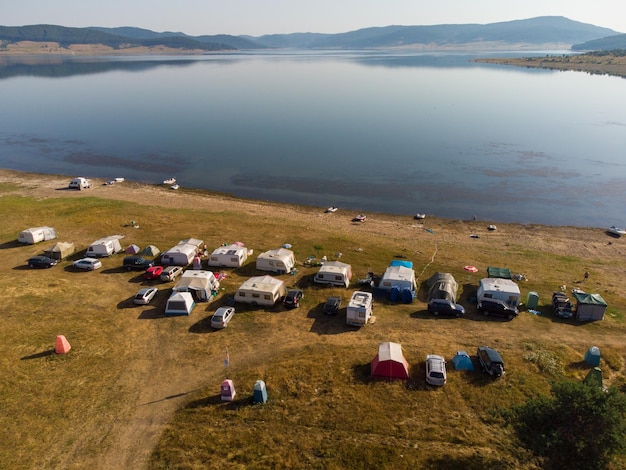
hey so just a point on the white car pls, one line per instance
(435, 370)
(145, 295)
(222, 317)
(88, 264)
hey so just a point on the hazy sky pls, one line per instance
(258, 17)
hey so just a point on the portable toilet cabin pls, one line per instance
(532, 300)
(592, 356)
(228, 390)
(260, 392)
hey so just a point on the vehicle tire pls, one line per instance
(436, 313)
(31, 265)
(510, 316)
(458, 315)
(486, 313)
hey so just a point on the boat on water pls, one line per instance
(616, 231)
(170, 181)
(331, 209)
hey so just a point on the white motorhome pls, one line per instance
(106, 246)
(181, 254)
(335, 273)
(261, 290)
(505, 290)
(359, 309)
(79, 183)
(279, 261)
(202, 284)
(36, 234)
(231, 256)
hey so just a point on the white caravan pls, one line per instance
(36, 234)
(335, 273)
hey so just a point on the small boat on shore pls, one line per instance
(359, 218)
(492, 228)
(419, 216)
(616, 231)
(170, 181)
(174, 186)
(331, 209)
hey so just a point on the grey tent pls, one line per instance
(442, 286)
(150, 251)
(60, 250)
(589, 306)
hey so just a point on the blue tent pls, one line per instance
(260, 392)
(592, 356)
(462, 361)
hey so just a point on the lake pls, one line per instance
(384, 132)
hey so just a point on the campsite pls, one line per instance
(139, 389)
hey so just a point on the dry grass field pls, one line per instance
(139, 390)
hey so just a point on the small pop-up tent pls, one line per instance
(462, 361)
(592, 356)
(390, 363)
(132, 249)
(150, 251)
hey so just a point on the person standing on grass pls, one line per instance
(586, 275)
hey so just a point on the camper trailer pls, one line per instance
(179, 303)
(106, 246)
(279, 261)
(335, 273)
(230, 256)
(79, 183)
(261, 290)
(202, 284)
(181, 254)
(359, 309)
(36, 234)
(505, 290)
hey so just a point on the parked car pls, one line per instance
(293, 297)
(491, 361)
(332, 305)
(170, 273)
(145, 295)
(41, 262)
(445, 307)
(435, 370)
(153, 272)
(222, 317)
(497, 307)
(88, 264)
(139, 263)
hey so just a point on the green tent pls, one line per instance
(589, 306)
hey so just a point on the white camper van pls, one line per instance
(231, 256)
(79, 183)
(261, 290)
(359, 309)
(106, 246)
(335, 273)
(279, 261)
(36, 234)
(505, 290)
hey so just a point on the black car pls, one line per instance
(490, 360)
(497, 307)
(445, 307)
(138, 263)
(41, 262)
(332, 305)
(293, 297)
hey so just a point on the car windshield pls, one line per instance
(437, 375)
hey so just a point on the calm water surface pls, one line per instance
(362, 131)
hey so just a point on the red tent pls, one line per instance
(390, 363)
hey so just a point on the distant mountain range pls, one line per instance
(518, 34)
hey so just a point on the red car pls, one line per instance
(153, 272)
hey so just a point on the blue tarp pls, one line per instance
(399, 262)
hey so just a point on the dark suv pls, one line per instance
(332, 305)
(497, 307)
(138, 263)
(293, 297)
(445, 307)
(491, 361)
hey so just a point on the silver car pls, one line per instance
(222, 317)
(88, 264)
(435, 370)
(145, 295)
